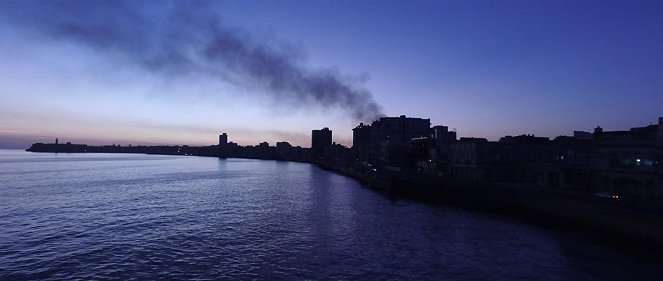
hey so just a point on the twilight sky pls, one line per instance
(159, 72)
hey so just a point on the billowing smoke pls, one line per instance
(186, 37)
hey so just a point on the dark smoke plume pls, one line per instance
(188, 36)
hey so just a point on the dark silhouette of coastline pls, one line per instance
(608, 184)
(262, 151)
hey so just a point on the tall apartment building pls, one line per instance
(320, 139)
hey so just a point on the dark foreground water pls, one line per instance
(142, 217)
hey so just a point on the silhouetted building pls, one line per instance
(283, 150)
(223, 140)
(580, 135)
(628, 163)
(439, 148)
(516, 157)
(361, 142)
(442, 135)
(399, 129)
(283, 145)
(390, 138)
(387, 140)
(223, 150)
(320, 139)
(472, 159)
(338, 154)
(431, 153)
(420, 153)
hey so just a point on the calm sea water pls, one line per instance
(146, 217)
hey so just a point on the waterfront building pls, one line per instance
(361, 142)
(440, 145)
(399, 129)
(223, 150)
(473, 159)
(283, 145)
(516, 157)
(442, 135)
(283, 150)
(625, 163)
(421, 152)
(391, 136)
(320, 139)
(431, 153)
(223, 140)
(338, 155)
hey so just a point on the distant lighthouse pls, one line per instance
(56, 140)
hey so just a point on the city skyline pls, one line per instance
(488, 69)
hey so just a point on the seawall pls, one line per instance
(601, 218)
